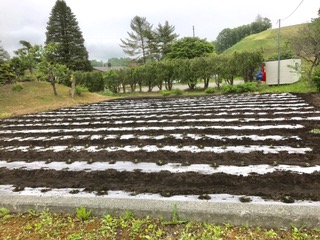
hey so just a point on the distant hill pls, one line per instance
(266, 40)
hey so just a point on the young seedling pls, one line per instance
(287, 199)
(48, 160)
(204, 196)
(5, 213)
(101, 192)
(245, 199)
(74, 191)
(112, 161)
(160, 163)
(69, 161)
(215, 165)
(90, 161)
(175, 217)
(18, 189)
(82, 214)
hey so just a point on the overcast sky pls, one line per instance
(104, 22)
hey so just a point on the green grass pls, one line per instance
(266, 41)
(301, 86)
(38, 96)
(47, 225)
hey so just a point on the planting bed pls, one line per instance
(254, 145)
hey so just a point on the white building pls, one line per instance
(289, 71)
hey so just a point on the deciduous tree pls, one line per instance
(306, 44)
(190, 47)
(29, 55)
(51, 71)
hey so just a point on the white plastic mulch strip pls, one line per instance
(147, 167)
(154, 148)
(154, 128)
(129, 111)
(146, 116)
(69, 192)
(205, 120)
(252, 137)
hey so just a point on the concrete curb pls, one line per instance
(252, 214)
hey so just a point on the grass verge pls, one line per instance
(47, 225)
(38, 96)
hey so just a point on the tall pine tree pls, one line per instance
(140, 41)
(63, 30)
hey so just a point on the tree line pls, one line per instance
(229, 37)
(160, 59)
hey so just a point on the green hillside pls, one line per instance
(266, 40)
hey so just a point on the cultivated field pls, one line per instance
(257, 145)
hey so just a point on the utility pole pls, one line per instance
(279, 52)
(193, 31)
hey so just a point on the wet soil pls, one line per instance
(115, 118)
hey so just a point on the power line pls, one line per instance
(293, 11)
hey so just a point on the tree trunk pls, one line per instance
(73, 87)
(53, 83)
(206, 83)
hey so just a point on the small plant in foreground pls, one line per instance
(307, 164)
(18, 189)
(245, 199)
(69, 161)
(17, 87)
(175, 217)
(74, 191)
(315, 131)
(160, 163)
(90, 161)
(112, 161)
(299, 233)
(215, 165)
(5, 213)
(83, 214)
(287, 199)
(204, 196)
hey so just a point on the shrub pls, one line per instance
(177, 92)
(248, 87)
(316, 78)
(165, 92)
(80, 89)
(226, 88)
(17, 87)
(240, 88)
(210, 90)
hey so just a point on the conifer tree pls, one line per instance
(63, 30)
(140, 40)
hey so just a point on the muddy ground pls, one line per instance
(275, 185)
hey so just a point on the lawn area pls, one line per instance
(38, 96)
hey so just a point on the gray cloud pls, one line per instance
(103, 23)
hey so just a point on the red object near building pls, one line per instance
(264, 74)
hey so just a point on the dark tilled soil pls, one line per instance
(275, 185)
